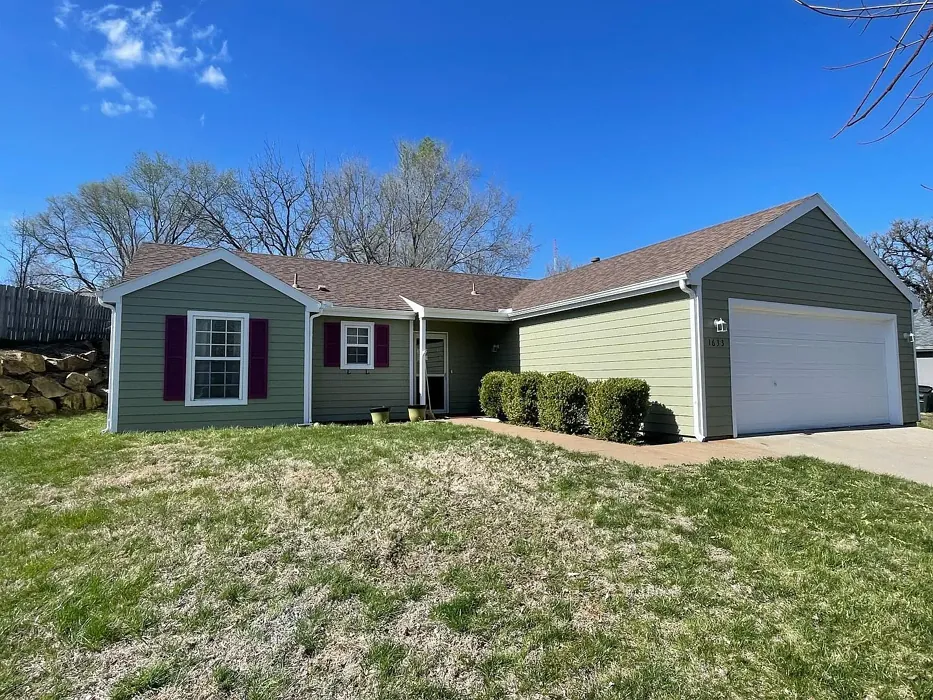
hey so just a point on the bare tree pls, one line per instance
(903, 70)
(22, 254)
(272, 207)
(442, 220)
(907, 247)
(89, 237)
(358, 216)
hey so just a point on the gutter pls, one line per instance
(308, 373)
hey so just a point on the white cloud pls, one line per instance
(135, 38)
(114, 109)
(62, 12)
(203, 120)
(203, 33)
(214, 77)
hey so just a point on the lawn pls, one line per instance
(437, 561)
(926, 420)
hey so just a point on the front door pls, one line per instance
(437, 371)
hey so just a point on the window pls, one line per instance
(356, 347)
(217, 358)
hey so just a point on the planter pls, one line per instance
(416, 413)
(379, 414)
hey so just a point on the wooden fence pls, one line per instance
(32, 315)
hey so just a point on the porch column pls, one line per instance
(422, 359)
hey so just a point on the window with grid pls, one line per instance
(357, 346)
(218, 361)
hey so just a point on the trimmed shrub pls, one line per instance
(490, 394)
(562, 403)
(617, 408)
(520, 397)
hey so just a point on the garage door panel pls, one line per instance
(793, 371)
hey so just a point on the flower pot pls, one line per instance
(379, 414)
(416, 413)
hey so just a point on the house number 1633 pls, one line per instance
(716, 342)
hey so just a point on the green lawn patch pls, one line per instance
(926, 420)
(436, 561)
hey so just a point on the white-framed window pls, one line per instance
(356, 345)
(218, 357)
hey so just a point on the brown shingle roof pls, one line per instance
(375, 287)
(355, 284)
(670, 257)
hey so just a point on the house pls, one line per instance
(779, 320)
(923, 340)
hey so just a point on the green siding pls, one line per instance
(809, 262)
(645, 337)
(347, 395)
(214, 287)
(469, 356)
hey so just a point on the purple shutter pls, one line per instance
(331, 344)
(176, 347)
(382, 345)
(258, 383)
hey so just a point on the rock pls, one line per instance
(72, 402)
(95, 376)
(101, 392)
(77, 382)
(90, 357)
(40, 404)
(35, 363)
(48, 387)
(19, 404)
(91, 401)
(9, 386)
(69, 363)
(15, 367)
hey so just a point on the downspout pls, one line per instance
(308, 359)
(696, 352)
(422, 359)
(113, 361)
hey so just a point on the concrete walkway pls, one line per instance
(904, 452)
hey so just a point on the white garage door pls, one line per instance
(798, 368)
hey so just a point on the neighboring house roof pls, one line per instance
(662, 265)
(356, 284)
(670, 257)
(923, 332)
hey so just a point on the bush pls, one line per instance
(562, 402)
(520, 397)
(490, 394)
(617, 408)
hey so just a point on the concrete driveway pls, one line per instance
(904, 452)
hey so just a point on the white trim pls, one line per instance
(466, 315)
(361, 312)
(371, 327)
(810, 203)
(442, 335)
(113, 381)
(417, 308)
(193, 316)
(422, 362)
(206, 258)
(895, 395)
(913, 346)
(308, 370)
(632, 290)
(696, 363)
(411, 362)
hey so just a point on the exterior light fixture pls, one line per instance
(495, 348)
(720, 326)
(909, 337)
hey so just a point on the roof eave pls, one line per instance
(632, 290)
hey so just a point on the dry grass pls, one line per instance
(926, 420)
(436, 561)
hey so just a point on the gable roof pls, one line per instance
(671, 257)
(663, 265)
(923, 332)
(355, 284)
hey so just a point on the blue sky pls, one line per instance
(616, 124)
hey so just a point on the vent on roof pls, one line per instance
(295, 283)
(592, 260)
(323, 288)
(473, 291)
